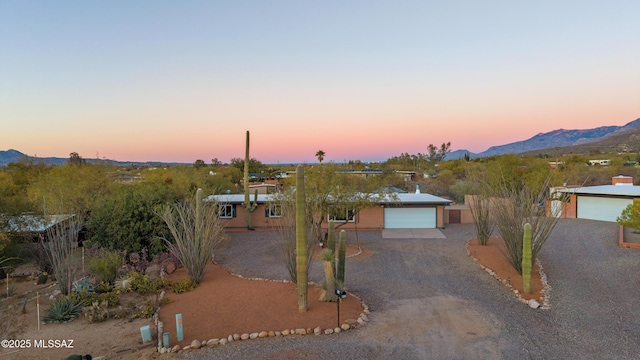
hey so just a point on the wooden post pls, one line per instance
(38, 308)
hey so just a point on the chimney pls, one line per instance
(622, 180)
(417, 189)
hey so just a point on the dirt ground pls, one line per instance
(491, 257)
(223, 304)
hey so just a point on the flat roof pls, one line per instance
(612, 190)
(408, 198)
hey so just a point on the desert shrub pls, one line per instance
(144, 285)
(630, 216)
(147, 310)
(126, 220)
(97, 312)
(183, 285)
(104, 287)
(64, 308)
(105, 266)
(197, 230)
(481, 212)
(60, 250)
(138, 261)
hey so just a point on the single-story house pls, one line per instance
(37, 227)
(405, 210)
(603, 202)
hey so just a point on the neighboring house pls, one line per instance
(265, 187)
(35, 227)
(367, 173)
(397, 211)
(604, 202)
(600, 162)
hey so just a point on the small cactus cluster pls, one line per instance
(333, 270)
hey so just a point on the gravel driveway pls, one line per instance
(430, 301)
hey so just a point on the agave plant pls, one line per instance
(64, 308)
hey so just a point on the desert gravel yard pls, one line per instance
(429, 300)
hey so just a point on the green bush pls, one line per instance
(183, 285)
(144, 285)
(106, 265)
(104, 287)
(64, 308)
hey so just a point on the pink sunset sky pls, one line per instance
(165, 81)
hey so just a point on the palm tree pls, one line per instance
(320, 156)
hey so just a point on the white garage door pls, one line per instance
(410, 218)
(601, 208)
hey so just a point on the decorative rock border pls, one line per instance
(356, 254)
(534, 304)
(348, 324)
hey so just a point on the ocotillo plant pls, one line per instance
(301, 240)
(342, 252)
(526, 259)
(249, 208)
(328, 293)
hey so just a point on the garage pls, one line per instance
(410, 218)
(601, 208)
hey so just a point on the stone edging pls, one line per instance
(356, 254)
(534, 304)
(197, 344)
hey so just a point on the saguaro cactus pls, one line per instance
(342, 252)
(331, 237)
(249, 207)
(301, 240)
(526, 259)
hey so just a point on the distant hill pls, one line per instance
(621, 141)
(560, 138)
(11, 155)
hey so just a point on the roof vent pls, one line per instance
(417, 189)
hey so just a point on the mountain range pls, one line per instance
(624, 138)
(604, 139)
(11, 155)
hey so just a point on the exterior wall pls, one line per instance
(570, 208)
(440, 216)
(368, 219)
(258, 219)
(465, 214)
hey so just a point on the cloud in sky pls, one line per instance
(360, 80)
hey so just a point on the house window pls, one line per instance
(342, 215)
(273, 211)
(227, 211)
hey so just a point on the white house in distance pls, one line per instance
(603, 202)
